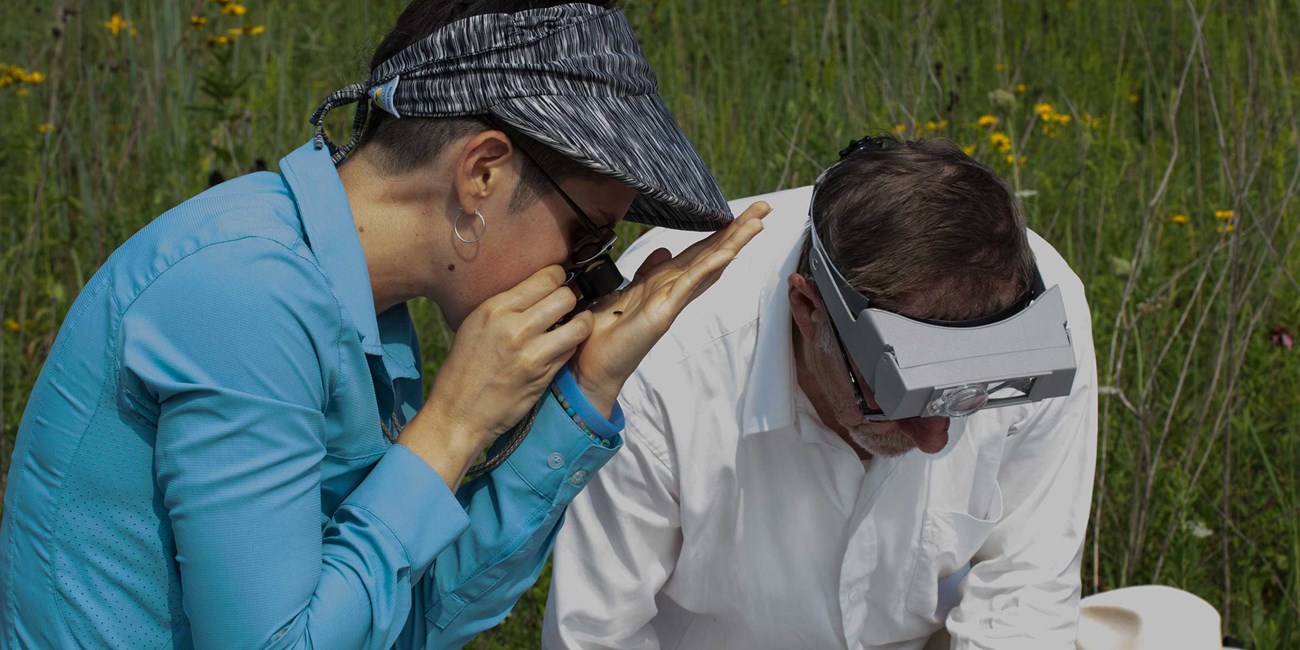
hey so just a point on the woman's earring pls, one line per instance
(481, 230)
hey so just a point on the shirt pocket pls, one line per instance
(948, 541)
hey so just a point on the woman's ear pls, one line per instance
(479, 172)
(805, 306)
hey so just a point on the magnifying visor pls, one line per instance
(922, 368)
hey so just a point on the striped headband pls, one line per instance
(571, 77)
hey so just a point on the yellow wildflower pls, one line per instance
(1000, 141)
(254, 29)
(969, 150)
(1044, 110)
(22, 92)
(1061, 118)
(1225, 228)
(1020, 88)
(931, 125)
(1090, 121)
(1134, 98)
(1050, 130)
(999, 66)
(900, 129)
(1223, 214)
(1180, 218)
(115, 24)
(198, 22)
(987, 121)
(234, 32)
(13, 325)
(1011, 160)
(47, 127)
(219, 40)
(233, 9)
(34, 78)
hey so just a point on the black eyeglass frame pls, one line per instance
(870, 414)
(604, 237)
(591, 272)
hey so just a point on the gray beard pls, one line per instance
(882, 444)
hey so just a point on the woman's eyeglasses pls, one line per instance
(591, 272)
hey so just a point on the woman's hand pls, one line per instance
(629, 322)
(502, 359)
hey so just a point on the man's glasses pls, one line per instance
(871, 415)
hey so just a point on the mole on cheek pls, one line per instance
(451, 267)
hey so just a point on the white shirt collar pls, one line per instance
(769, 394)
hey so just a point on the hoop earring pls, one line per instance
(482, 231)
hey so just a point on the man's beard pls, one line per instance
(867, 435)
(885, 445)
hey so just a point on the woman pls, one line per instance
(229, 446)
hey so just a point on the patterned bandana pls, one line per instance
(571, 77)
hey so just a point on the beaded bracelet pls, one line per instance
(564, 404)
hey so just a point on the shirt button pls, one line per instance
(555, 460)
(579, 477)
(853, 595)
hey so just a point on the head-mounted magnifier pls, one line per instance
(921, 368)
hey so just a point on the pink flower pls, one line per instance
(1282, 338)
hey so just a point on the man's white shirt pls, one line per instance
(734, 518)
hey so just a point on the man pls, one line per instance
(208, 456)
(813, 456)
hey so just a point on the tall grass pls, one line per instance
(1176, 110)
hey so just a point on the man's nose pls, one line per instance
(930, 434)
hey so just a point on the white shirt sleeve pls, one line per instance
(619, 545)
(1024, 586)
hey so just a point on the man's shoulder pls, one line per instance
(1056, 271)
(702, 366)
(733, 302)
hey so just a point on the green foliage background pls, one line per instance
(1174, 108)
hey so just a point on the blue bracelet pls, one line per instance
(564, 404)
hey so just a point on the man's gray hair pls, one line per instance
(923, 230)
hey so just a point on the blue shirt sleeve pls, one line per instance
(240, 386)
(515, 511)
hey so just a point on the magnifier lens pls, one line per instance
(960, 402)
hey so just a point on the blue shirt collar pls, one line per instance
(331, 234)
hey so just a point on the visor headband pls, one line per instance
(473, 64)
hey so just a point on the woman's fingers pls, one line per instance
(699, 277)
(652, 261)
(708, 265)
(560, 343)
(733, 237)
(532, 290)
(550, 310)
